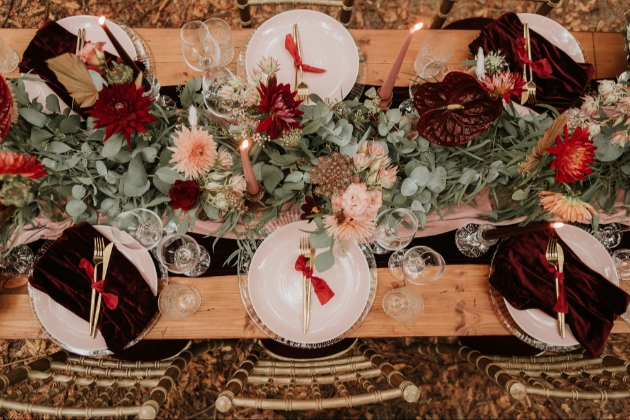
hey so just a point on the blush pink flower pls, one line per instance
(361, 161)
(387, 176)
(92, 53)
(376, 202)
(195, 152)
(619, 138)
(340, 226)
(590, 106)
(224, 158)
(354, 201)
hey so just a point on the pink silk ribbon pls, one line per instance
(540, 67)
(110, 299)
(323, 292)
(561, 306)
(289, 44)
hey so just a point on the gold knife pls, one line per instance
(560, 264)
(308, 294)
(525, 93)
(296, 70)
(107, 254)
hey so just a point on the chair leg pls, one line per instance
(547, 7)
(238, 380)
(443, 11)
(244, 13)
(346, 12)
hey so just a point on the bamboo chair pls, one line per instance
(267, 375)
(445, 6)
(67, 385)
(246, 17)
(569, 375)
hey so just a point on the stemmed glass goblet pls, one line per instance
(201, 51)
(395, 228)
(137, 229)
(419, 265)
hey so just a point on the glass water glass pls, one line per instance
(179, 253)
(213, 81)
(404, 305)
(8, 58)
(434, 47)
(178, 301)
(222, 33)
(395, 229)
(137, 229)
(203, 264)
(621, 257)
(200, 49)
(419, 265)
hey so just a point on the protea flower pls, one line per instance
(569, 208)
(503, 85)
(122, 108)
(279, 104)
(14, 164)
(573, 156)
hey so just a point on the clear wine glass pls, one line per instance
(404, 305)
(395, 228)
(202, 265)
(621, 257)
(137, 229)
(213, 80)
(179, 253)
(201, 51)
(8, 58)
(222, 32)
(434, 47)
(178, 301)
(419, 265)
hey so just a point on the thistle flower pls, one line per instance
(570, 208)
(494, 62)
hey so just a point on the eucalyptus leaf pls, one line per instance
(324, 261)
(271, 176)
(112, 146)
(101, 168)
(52, 103)
(70, 125)
(606, 151)
(78, 192)
(320, 240)
(59, 147)
(420, 175)
(168, 175)
(75, 207)
(408, 187)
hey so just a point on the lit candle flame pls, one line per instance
(417, 27)
(557, 225)
(245, 144)
(101, 20)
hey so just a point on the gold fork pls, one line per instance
(531, 86)
(302, 88)
(97, 259)
(79, 47)
(525, 92)
(305, 250)
(552, 258)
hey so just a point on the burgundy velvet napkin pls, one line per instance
(57, 274)
(568, 80)
(594, 302)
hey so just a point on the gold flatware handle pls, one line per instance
(97, 314)
(93, 298)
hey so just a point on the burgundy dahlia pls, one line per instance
(278, 102)
(122, 108)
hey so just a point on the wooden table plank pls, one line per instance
(457, 304)
(604, 50)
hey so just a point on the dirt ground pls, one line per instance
(450, 389)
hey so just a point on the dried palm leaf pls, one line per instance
(74, 76)
(544, 143)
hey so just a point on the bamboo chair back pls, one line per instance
(569, 375)
(67, 385)
(276, 382)
(246, 17)
(445, 6)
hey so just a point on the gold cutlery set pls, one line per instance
(302, 88)
(101, 256)
(309, 253)
(555, 257)
(529, 95)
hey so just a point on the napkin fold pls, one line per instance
(57, 273)
(526, 283)
(567, 81)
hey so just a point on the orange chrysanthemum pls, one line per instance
(12, 164)
(573, 156)
(569, 208)
(195, 152)
(342, 227)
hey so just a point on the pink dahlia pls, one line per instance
(195, 152)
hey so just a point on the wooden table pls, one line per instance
(457, 304)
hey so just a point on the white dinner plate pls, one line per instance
(275, 287)
(541, 326)
(93, 33)
(555, 33)
(71, 331)
(324, 43)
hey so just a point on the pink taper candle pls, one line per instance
(388, 85)
(253, 188)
